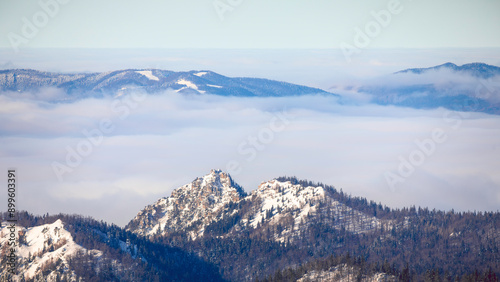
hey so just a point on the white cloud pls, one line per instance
(445, 81)
(167, 140)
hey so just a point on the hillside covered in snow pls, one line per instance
(287, 222)
(284, 230)
(81, 85)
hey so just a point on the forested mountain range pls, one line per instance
(473, 87)
(285, 230)
(76, 248)
(82, 85)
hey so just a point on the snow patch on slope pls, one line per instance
(344, 273)
(215, 86)
(187, 83)
(148, 74)
(201, 73)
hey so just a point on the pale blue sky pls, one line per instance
(250, 24)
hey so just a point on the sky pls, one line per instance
(168, 140)
(278, 24)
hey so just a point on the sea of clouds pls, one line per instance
(110, 157)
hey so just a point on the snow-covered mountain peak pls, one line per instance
(289, 193)
(289, 205)
(215, 184)
(215, 203)
(192, 206)
(42, 245)
(279, 198)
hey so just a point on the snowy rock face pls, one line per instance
(47, 246)
(190, 208)
(290, 209)
(344, 273)
(286, 208)
(278, 199)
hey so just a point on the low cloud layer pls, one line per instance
(442, 82)
(136, 148)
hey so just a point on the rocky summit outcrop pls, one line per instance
(190, 208)
(215, 204)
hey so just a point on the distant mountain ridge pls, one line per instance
(481, 70)
(473, 87)
(149, 80)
